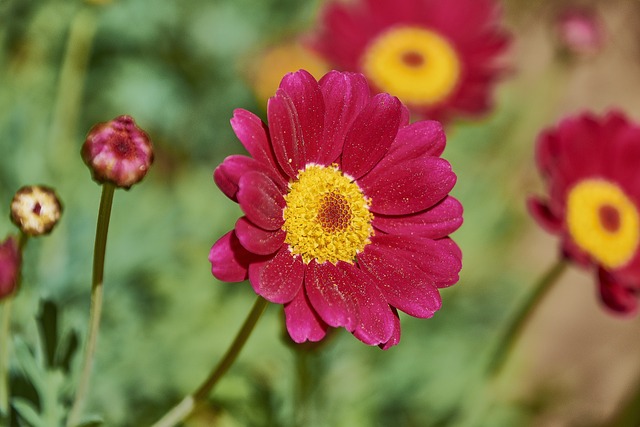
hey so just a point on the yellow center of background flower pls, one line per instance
(603, 222)
(327, 216)
(415, 64)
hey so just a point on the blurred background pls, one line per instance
(180, 68)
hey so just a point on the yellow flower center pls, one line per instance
(417, 65)
(603, 222)
(326, 216)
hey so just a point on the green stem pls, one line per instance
(5, 329)
(183, 409)
(303, 388)
(99, 250)
(629, 413)
(523, 315)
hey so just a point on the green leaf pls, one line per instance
(27, 412)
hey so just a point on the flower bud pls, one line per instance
(118, 151)
(580, 31)
(10, 260)
(35, 209)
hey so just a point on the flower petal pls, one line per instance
(257, 240)
(345, 96)
(423, 138)
(541, 212)
(261, 200)
(328, 289)
(229, 260)
(254, 135)
(403, 284)
(395, 336)
(371, 135)
(617, 296)
(303, 323)
(408, 187)
(434, 223)
(227, 175)
(278, 279)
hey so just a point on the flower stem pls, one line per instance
(99, 250)
(183, 409)
(5, 329)
(522, 316)
(303, 389)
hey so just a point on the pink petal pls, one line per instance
(434, 223)
(303, 323)
(308, 113)
(403, 284)
(286, 134)
(440, 259)
(345, 96)
(408, 187)
(261, 201)
(395, 336)
(540, 211)
(371, 135)
(377, 321)
(423, 138)
(328, 289)
(278, 279)
(227, 175)
(253, 134)
(257, 240)
(229, 260)
(617, 297)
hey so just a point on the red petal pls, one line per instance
(395, 336)
(278, 279)
(303, 323)
(253, 134)
(617, 297)
(404, 285)
(328, 289)
(345, 96)
(541, 212)
(408, 187)
(229, 260)
(434, 223)
(227, 175)
(423, 138)
(371, 135)
(261, 201)
(257, 240)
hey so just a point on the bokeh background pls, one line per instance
(180, 68)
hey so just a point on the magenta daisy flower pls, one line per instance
(437, 56)
(590, 165)
(346, 209)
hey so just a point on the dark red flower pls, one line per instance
(437, 56)
(590, 165)
(346, 209)
(10, 261)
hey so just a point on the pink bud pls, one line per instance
(10, 260)
(118, 151)
(35, 209)
(580, 31)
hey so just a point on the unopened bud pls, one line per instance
(35, 209)
(10, 260)
(118, 151)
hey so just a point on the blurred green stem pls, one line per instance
(303, 388)
(523, 315)
(5, 330)
(629, 413)
(183, 409)
(71, 85)
(102, 229)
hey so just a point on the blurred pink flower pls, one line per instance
(10, 260)
(437, 56)
(346, 209)
(580, 31)
(118, 151)
(590, 165)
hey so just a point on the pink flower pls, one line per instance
(590, 165)
(437, 56)
(10, 260)
(118, 151)
(580, 31)
(346, 209)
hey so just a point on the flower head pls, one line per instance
(346, 209)
(590, 165)
(118, 151)
(10, 260)
(437, 56)
(35, 209)
(580, 31)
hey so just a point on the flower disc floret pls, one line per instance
(327, 216)
(35, 209)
